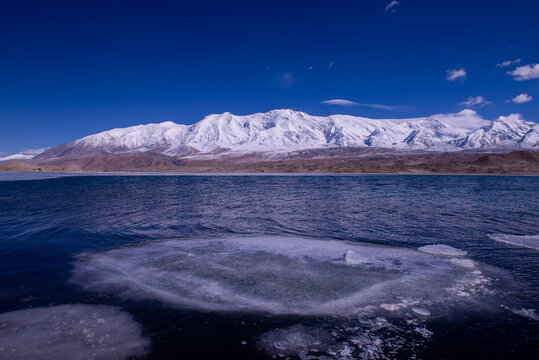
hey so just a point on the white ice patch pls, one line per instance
(279, 275)
(71, 332)
(528, 241)
(421, 311)
(442, 250)
(403, 304)
(366, 338)
(528, 313)
(466, 263)
(297, 340)
(473, 283)
(353, 258)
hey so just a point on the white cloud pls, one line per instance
(391, 6)
(508, 63)
(341, 102)
(477, 100)
(310, 67)
(522, 98)
(466, 119)
(525, 72)
(454, 74)
(331, 64)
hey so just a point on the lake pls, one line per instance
(248, 266)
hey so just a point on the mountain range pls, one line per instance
(278, 134)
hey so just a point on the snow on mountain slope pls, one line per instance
(139, 138)
(285, 130)
(506, 131)
(531, 139)
(25, 155)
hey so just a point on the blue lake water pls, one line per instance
(279, 266)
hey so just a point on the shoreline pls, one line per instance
(513, 163)
(23, 176)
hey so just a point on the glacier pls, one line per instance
(284, 130)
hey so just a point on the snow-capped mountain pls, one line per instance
(286, 130)
(25, 155)
(506, 131)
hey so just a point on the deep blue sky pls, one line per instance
(72, 68)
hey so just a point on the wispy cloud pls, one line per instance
(525, 72)
(508, 63)
(35, 151)
(391, 6)
(521, 99)
(341, 102)
(386, 107)
(477, 100)
(331, 64)
(454, 74)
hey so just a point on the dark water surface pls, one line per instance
(293, 266)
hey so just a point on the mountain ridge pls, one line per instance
(286, 130)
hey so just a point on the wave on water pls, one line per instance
(374, 299)
(528, 241)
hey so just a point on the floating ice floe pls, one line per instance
(279, 275)
(528, 313)
(426, 333)
(374, 338)
(421, 311)
(353, 258)
(71, 332)
(442, 250)
(297, 340)
(351, 286)
(466, 263)
(528, 241)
